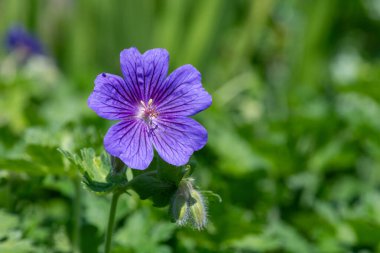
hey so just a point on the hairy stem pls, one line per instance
(111, 220)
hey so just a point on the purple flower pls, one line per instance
(17, 38)
(153, 109)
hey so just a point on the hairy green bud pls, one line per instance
(198, 210)
(188, 206)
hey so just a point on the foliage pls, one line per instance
(293, 150)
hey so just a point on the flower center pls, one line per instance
(148, 112)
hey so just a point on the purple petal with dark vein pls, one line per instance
(182, 93)
(175, 139)
(156, 65)
(132, 67)
(129, 141)
(110, 98)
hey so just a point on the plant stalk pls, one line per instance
(111, 221)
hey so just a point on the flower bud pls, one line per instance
(198, 210)
(179, 210)
(188, 206)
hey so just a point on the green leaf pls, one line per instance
(172, 173)
(159, 181)
(367, 232)
(10, 239)
(97, 167)
(166, 172)
(150, 185)
(47, 157)
(15, 245)
(8, 222)
(22, 165)
(95, 186)
(37, 160)
(94, 169)
(143, 233)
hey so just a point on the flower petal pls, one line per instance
(129, 141)
(156, 65)
(131, 63)
(182, 93)
(175, 139)
(144, 73)
(110, 99)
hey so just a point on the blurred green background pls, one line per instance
(294, 129)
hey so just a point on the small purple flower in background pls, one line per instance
(18, 39)
(153, 109)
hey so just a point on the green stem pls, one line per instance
(77, 215)
(111, 220)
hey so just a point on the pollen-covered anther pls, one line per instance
(148, 111)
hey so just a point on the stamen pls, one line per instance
(148, 113)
